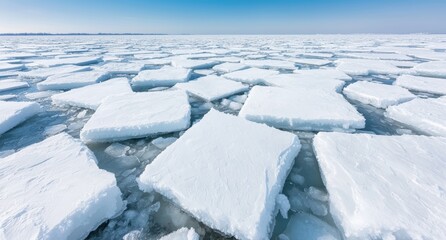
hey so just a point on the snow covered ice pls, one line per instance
(299, 81)
(431, 69)
(6, 85)
(204, 172)
(251, 75)
(422, 84)
(14, 113)
(164, 77)
(382, 186)
(69, 81)
(60, 169)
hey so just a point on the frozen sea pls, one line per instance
(326, 64)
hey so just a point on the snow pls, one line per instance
(251, 75)
(323, 73)
(266, 63)
(229, 67)
(164, 77)
(194, 63)
(211, 88)
(211, 182)
(422, 84)
(426, 115)
(307, 227)
(7, 85)
(14, 113)
(4, 66)
(384, 185)
(367, 66)
(93, 95)
(182, 234)
(58, 168)
(301, 109)
(378, 95)
(138, 115)
(291, 81)
(80, 61)
(121, 67)
(43, 73)
(431, 69)
(69, 81)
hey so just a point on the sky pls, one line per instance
(223, 16)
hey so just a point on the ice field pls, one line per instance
(309, 137)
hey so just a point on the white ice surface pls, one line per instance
(251, 75)
(226, 172)
(378, 95)
(298, 81)
(229, 67)
(211, 88)
(422, 84)
(43, 73)
(301, 109)
(310, 61)
(121, 67)
(80, 61)
(268, 63)
(194, 63)
(164, 77)
(14, 113)
(7, 85)
(4, 66)
(69, 81)
(385, 185)
(431, 69)
(367, 66)
(54, 190)
(138, 115)
(426, 115)
(323, 73)
(93, 95)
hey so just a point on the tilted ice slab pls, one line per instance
(194, 63)
(381, 186)
(366, 66)
(251, 75)
(7, 85)
(422, 84)
(60, 169)
(269, 63)
(301, 109)
(426, 115)
(226, 172)
(4, 66)
(80, 61)
(69, 81)
(14, 113)
(229, 67)
(138, 115)
(92, 96)
(164, 77)
(431, 69)
(324, 73)
(211, 88)
(121, 67)
(182, 234)
(296, 81)
(43, 73)
(378, 95)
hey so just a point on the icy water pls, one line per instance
(151, 213)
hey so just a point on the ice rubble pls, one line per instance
(58, 168)
(211, 88)
(164, 77)
(422, 84)
(251, 75)
(93, 95)
(43, 73)
(298, 81)
(426, 115)
(385, 186)
(14, 113)
(229, 67)
(431, 69)
(222, 195)
(367, 66)
(182, 234)
(138, 115)
(69, 81)
(6, 85)
(301, 109)
(378, 95)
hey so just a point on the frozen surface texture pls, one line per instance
(299, 81)
(60, 169)
(367, 66)
(14, 113)
(251, 75)
(422, 84)
(7, 85)
(69, 81)
(138, 115)
(388, 187)
(210, 181)
(301, 109)
(431, 69)
(165, 77)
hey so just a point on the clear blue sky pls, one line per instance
(224, 16)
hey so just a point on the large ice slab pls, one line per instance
(211, 88)
(80, 61)
(182, 234)
(164, 77)
(270, 63)
(325, 73)
(121, 67)
(251, 75)
(4, 66)
(60, 169)
(43, 73)
(431, 69)
(229, 67)
(14, 113)
(299, 81)
(426, 115)
(7, 85)
(301, 109)
(92, 96)
(194, 63)
(226, 172)
(367, 66)
(385, 187)
(138, 115)
(69, 81)
(422, 84)
(378, 95)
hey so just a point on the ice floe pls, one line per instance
(366, 67)
(6, 85)
(164, 77)
(69, 81)
(431, 69)
(14, 113)
(422, 84)
(251, 75)
(42, 73)
(229, 67)
(194, 63)
(299, 81)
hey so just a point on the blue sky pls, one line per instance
(224, 16)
